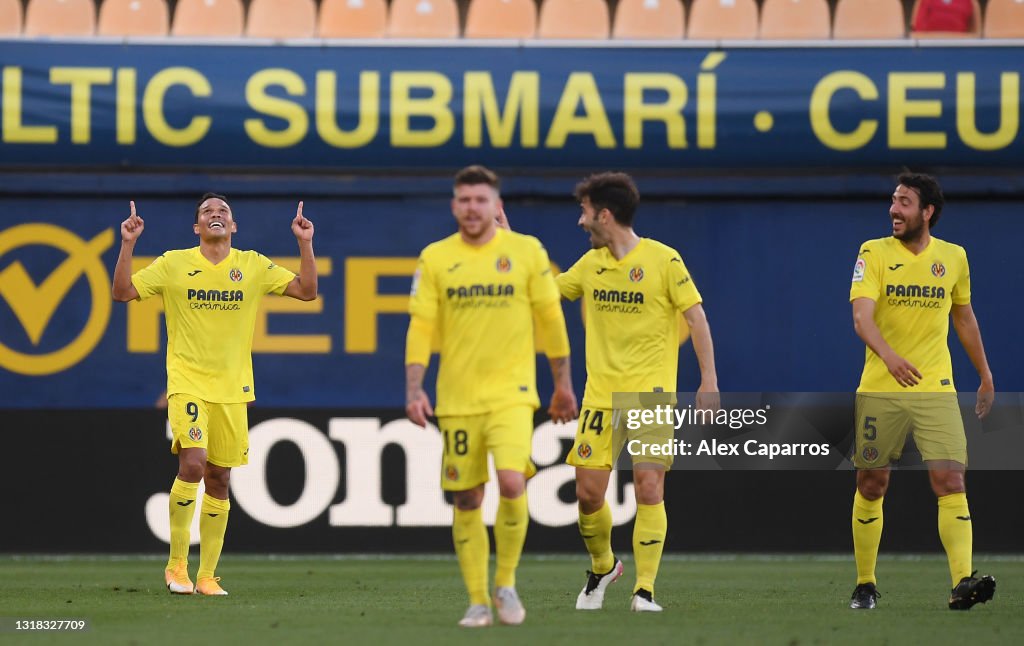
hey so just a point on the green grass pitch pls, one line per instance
(714, 599)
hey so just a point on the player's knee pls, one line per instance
(191, 470)
(512, 488)
(590, 497)
(216, 480)
(648, 493)
(872, 489)
(948, 483)
(470, 499)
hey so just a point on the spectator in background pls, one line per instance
(946, 18)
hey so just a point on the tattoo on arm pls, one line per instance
(413, 380)
(560, 370)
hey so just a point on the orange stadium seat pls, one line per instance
(501, 19)
(1004, 19)
(869, 20)
(649, 19)
(424, 19)
(795, 20)
(574, 19)
(281, 19)
(10, 17)
(60, 18)
(353, 19)
(207, 18)
(723, 19)
(133, 18)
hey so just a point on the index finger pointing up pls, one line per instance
(132, 204)
(298, 212)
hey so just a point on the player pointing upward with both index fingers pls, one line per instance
(211, 294)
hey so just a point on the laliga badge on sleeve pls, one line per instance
(858, 270)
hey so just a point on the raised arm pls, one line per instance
(123, 290)
(303, 286)
(966, 326)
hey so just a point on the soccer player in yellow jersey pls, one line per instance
(633, 289)
(481, 289)
(904, 289)
(211, 294)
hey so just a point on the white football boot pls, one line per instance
(592, 595)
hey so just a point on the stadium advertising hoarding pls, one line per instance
(774, 275)
(367, 480)
(329, 108)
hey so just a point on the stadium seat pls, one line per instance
(1004, 19)
(424, 19)
(973, 30)
(501, 19)
(353, 19)
(10, 17)
(649, 19)
(723, 19)
(207, 18)
(795, 20)
(133, 18)
(573, 19)
(281, 19)
(60, 18)
(869, 20)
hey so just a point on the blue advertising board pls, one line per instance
(774, 275)
(154, 106)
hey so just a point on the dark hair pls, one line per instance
(928, 190)
(613, 191)
(477, 174)
(208, 196)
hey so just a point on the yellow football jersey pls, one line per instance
(211, 311)
(913, 297)
(481, 300)
(631, 306)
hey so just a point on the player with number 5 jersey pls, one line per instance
(904, 291)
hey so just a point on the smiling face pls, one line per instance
(909, 220)
(475, 207)
(214, 221)
(595, 223)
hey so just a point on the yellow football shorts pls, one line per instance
(221, 429)
(883, 422)
(601, 436)
(506, 434)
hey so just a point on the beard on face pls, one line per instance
(913, 228)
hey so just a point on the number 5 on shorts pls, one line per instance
(870, 430)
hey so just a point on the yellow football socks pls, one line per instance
(473, 548)
(213, 522)
(957, 534)
(867, 534)
(181, 508)
(596, 530)
(509, 535)
(648, 542)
